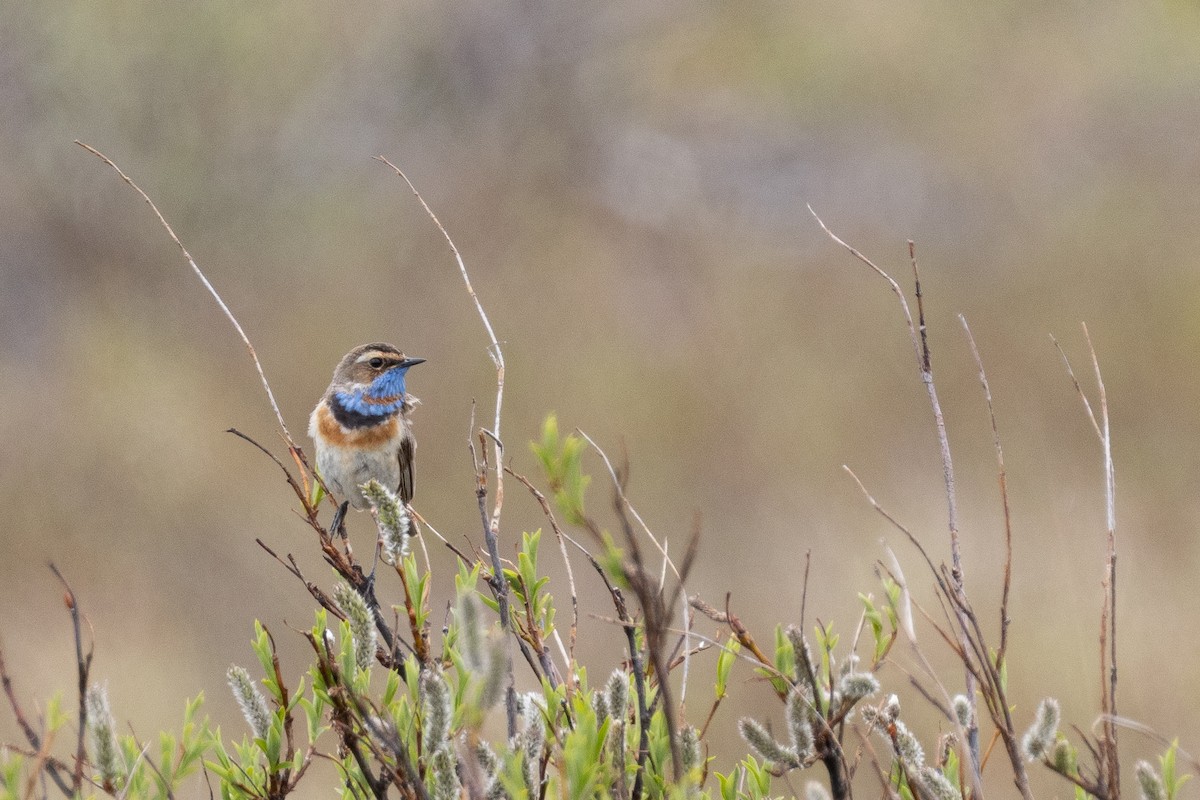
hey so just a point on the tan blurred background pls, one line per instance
(627, 183)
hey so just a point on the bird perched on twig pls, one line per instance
(361, 428)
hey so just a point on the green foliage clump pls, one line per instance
(405, 714)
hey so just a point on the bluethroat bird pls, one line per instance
(361, 428)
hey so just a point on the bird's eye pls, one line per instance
(376, 362)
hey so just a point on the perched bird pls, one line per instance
(361, 428)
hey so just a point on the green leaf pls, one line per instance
(262, 648)
(1171, 781)
(561, 460)
(725, 661)
(729, 783)
(785, 654)
(827, 640)
(55, 718)
(582, 747)
(758, 778)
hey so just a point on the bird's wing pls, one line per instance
(406, 470)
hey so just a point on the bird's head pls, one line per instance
(376, 369)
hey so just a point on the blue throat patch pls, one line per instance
(389, 384)
(365, 402)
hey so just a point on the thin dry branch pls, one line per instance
(491, 527)
(562, 546)
(83, 666)
(1106, 439)
(883, 512)
(916, 341)
(496, 581)
(920, 345)
(1109, 631)
(620, 490)
(207, 285)
(667, 561)
(1003, 479)
(921, 350)
(969, 646)
(1087, 406)
(1107, 758)
(53, 767)
(497, 354)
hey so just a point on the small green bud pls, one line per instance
(1041, 734)
(391, 517)
(362, 623)
(103, 735)
(1063, 757)
(444, 784)
(689, 747)
(1148, 781)
(962, 710)
(854, 686)
(908, 749)
(891, 709)
(618, 693)
(938, 786)
(765, 745)
(250, 700)
(435, 705)
(799, 719)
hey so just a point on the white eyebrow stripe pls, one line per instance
(367, 356)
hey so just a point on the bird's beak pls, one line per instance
(411, 362)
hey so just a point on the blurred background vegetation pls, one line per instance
(627, 182)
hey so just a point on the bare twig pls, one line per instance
(192, 263)
(1003, 478)
(562, 540)
(491, 527)
(425, 524)
(496, 353)
(83, 664)
(1109, 615)
(654, 620)
(1106, 752)
(898, 526)
(170, 795)
(969, 646)
(620, 490)
(1087, 406)
(920, 345)
(804, 587)
(922, 355)
(624, 506)
(54, 768)
(496, 582)
(1150, 733)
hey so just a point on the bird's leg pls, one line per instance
(337, 526)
